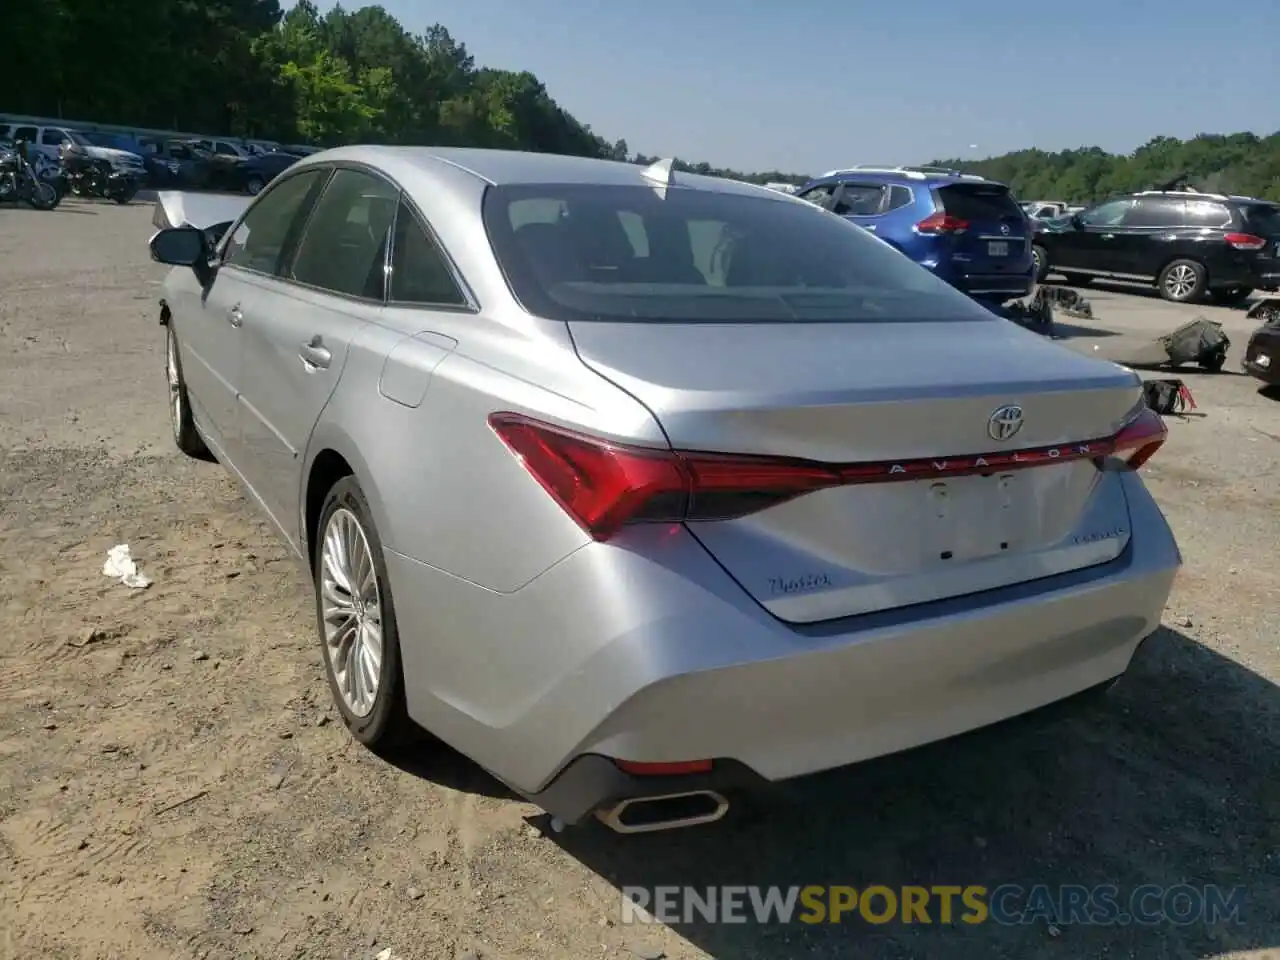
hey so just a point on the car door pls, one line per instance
(1145, 240)
(1086, 243)
(297, 330)
(209, 324)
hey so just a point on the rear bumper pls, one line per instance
(654, 654)
(992, 286)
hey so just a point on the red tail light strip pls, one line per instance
(603, 485)
(1245, 241)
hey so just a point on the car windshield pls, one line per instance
(75, 136)
(595, 252)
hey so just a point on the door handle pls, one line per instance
(315, 354)
(234, 316)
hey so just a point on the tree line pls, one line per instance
(1237, 163)
(243, 68)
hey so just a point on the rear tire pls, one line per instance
(356, 620)
(1182, 281)
(1040, 257)
(185, 435)
(254, 185)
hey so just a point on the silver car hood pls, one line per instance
(177, 208)
(111, 153)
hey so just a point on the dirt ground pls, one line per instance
(174, 784)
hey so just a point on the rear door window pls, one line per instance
(344, 247)
(978, 202)
(859, 200)
(899, 197)
(1156, 212)
(53, 137)
(419, 272)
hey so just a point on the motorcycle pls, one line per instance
(20, 182)
(85, 176)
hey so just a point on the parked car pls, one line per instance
(254, 174)
(966, 230)
(189, 166)
(1262, 352)
(1185, 244)
(629, 483)
(1043, 209)
(49, 140)
(299, 149)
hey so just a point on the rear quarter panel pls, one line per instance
(445, 490)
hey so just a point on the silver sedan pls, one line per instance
(639, 487)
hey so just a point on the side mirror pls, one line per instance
(179, 247)
(183, 247)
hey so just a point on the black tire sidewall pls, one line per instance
(388, 717)
(1041, 261)
(1198, 292)
(262, 185)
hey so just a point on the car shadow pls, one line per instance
(1176, 780)
(1067, 330)
(1270, 391)
(422, 755)
(1111, 287)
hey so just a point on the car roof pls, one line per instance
(513, 167)
(907, 177)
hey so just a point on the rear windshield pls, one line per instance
(594, 252)
(977, 202)
(1264, 218)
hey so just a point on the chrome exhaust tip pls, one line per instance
(668, 811)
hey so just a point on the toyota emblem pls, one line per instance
(1005, 422)
(1004, 228)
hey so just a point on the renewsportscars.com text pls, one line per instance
(1006, 904)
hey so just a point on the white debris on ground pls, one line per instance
(120, 565)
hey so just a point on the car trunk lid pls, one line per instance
(915, 403)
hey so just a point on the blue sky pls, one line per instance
(807, 85)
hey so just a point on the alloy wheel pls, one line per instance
(176, 399)
(351, 611)
(1180, 282)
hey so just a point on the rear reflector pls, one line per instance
(673, 769)
(941, 223)
(604, 485)
(1245, 241)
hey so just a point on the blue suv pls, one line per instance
(968, 230)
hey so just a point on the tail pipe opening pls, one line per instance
(668, 811)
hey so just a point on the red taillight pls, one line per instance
(605, 485)
(942, 223)
(1140, 439)
(1245, 241)
(673, 769)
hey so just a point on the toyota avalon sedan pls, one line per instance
(639, 487)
